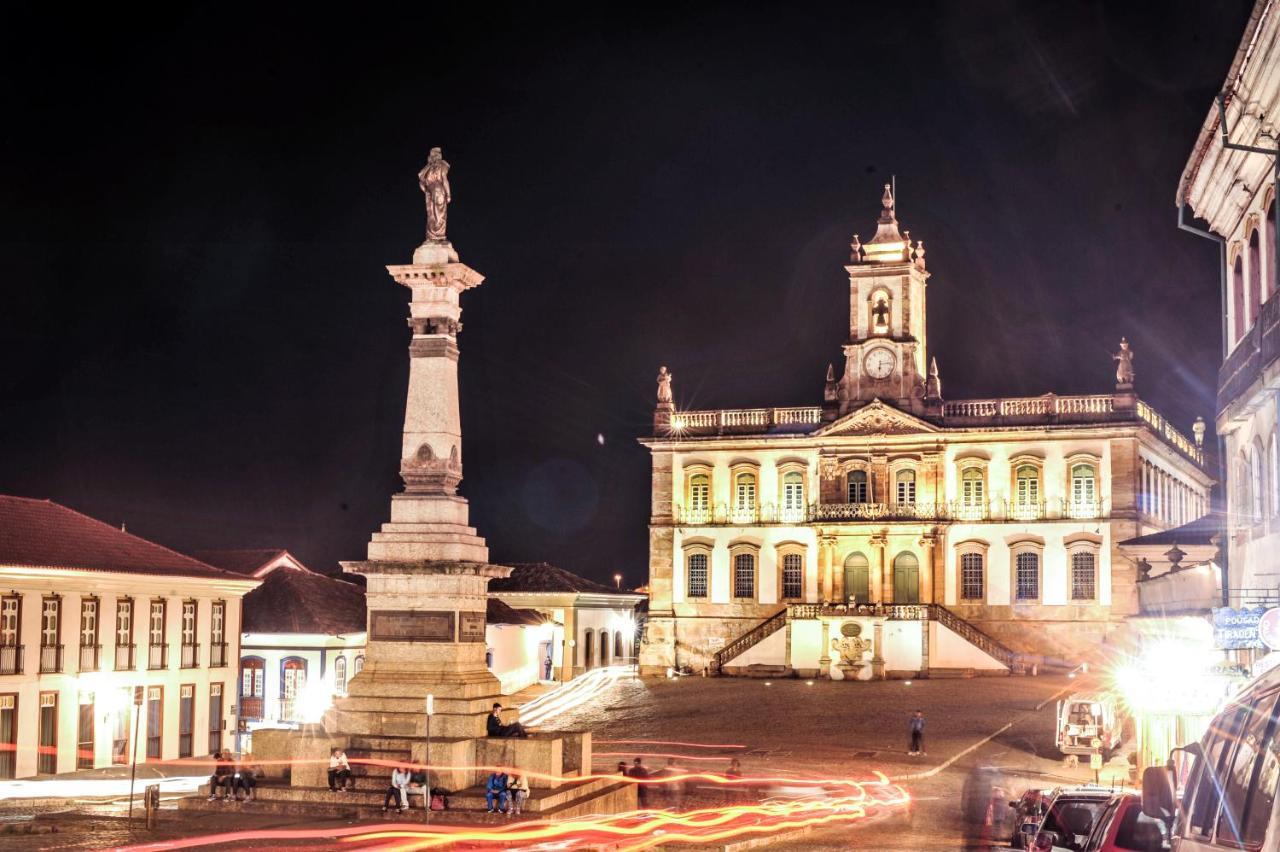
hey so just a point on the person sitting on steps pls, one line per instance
(339, 771)
(496, 789)
(398, 791)
(495, 728)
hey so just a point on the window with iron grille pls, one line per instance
(972, 577)
(1084, 576)
(857, 482)
(697, 564)
(1027, 586)
(793, 576)
(744, 575)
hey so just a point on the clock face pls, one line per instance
(878, 363)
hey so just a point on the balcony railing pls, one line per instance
(994, 510)
(250, 708)
(125, 657)
(1170, 434)
(1245, 365)
(89, 655)
(190, 656)
(10, 659)
(218, 655)
(50, 659)
(158, 656)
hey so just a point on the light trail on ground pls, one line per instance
(672, 743)
(718, 757)
(843, 801)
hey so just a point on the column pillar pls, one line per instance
(824, 662)
(926, 568)
(838, 591)
(877, 652)
(825, 546)
(878, 573)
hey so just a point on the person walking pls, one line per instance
(675, 786)
(639, 771)
(519, 790)
(398, 791)
(495, 792)
(339, 771)
(916, 725)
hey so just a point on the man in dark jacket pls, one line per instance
(224, 772)
(495, 728)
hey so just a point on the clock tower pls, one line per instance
(885, 356)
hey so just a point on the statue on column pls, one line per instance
(1124, 364)
(434, 181)
(664, 386)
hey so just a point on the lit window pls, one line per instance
(88, 622)
(972, 577)
(699, 497)
(1084, 495)
(1027, 579)
(744, 496)
(50, 628)
(857, 482)
(972, 492)
(906, 487)
(793, 576)
(793, 496)
(697, 564)
(340, 675)
(744, 575)
(9, 621)
(1027, 489)
(1084, 576)
(359, 666)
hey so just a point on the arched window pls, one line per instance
(858, 490)
(618, 653)
(1243, 500)
(744, 576)
(604, 647)
(880, 312)
(857, 579)
(359, 666)
(340, 675)
(744, 496)
(792, 576)
(1271, 249)
(1027, 491)
(293, 677)
(697, 569)
(972, 492)
(906, 482)
(793, 496)
(1084, 491)
(1255, 275)
(1026, 586)
(1237, 299)
(973, 577)
(906, 579)
(1084, 576)
(699, 498)
(589, 649)
(1256, 485)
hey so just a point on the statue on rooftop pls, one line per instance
(664, 386)
(434, 181)
(1124, 364)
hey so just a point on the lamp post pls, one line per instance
(617, 581)
(431, 709)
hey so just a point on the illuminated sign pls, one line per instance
(1238, 629)
(1269, 628)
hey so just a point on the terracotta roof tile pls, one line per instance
(44, 534)
(542, 577)
(246, 561)
(301, 601)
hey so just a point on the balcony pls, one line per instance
(158, 657)
(959, 511)
(50, 659)
(218, 655)
(190, 656)
(125, 657)
(89, 657)
(1249, 360)
(250, 708)
(10, 659)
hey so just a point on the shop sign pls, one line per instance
(1269, 628)
(1238, 629)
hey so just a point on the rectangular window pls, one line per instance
(1027, 586)
(972, 577)
(218, 634)
(793, 576)
(186, 718)
(190, 650)
(215, 718)
(744, 500)
(50, 635)
(697, 564)
(8, 735)
(699, 498)
(124, 622)
(793, 497)
(1084, 576)
(85, 740)
(158, 651)
(744, 576)
(88, 634)
(906, 487)
(47, 752)
(857, 482)
(9, 608)
(155, 722)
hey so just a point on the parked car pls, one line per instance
(1123, 827)
(1230, 798)
(1070, 816)
(1028, 809)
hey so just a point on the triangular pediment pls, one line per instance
(877, 418)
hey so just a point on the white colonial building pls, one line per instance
(111, 647)
(1233, 187)
(892, 531)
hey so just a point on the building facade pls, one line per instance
(111, 647)
(999, 517)
(1234, 190)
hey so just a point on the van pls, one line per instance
(1089, 724)
(1229, 798)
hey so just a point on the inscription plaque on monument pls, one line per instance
(406, 625)
(471, 626)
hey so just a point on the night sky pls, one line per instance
(200, 339)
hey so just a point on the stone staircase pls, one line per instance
(748, 640)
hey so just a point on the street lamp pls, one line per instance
(617, 580)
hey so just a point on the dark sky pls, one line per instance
(199, 337)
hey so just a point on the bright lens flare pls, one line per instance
(1173, 674)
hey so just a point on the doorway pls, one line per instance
(857, 579)
(906, 579)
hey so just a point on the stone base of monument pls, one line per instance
(305, 753)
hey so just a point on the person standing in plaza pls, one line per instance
(916, 725)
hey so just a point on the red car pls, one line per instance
(1123, 827)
